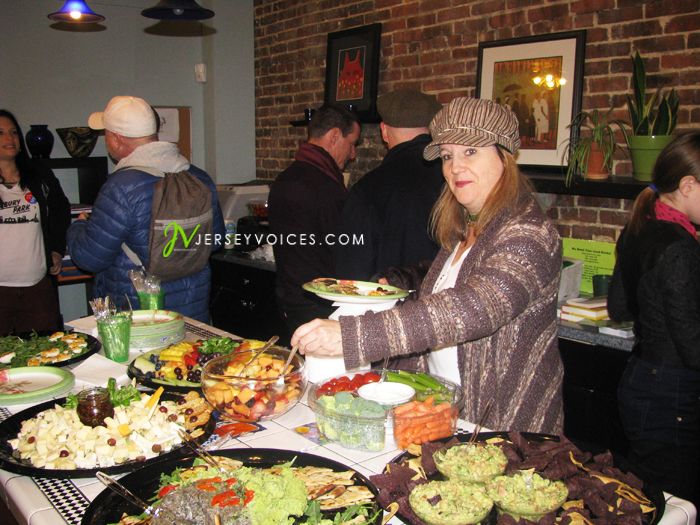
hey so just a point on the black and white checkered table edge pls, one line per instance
(65, 497)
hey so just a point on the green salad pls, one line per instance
(37, 350)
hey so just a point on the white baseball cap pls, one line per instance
(127, 116)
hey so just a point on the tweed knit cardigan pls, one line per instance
(501, 313)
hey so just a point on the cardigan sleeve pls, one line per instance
(512, 268)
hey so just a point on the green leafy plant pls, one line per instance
(643, 119)
(599, 130)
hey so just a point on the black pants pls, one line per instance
(660, 412)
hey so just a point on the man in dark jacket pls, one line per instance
(389, 208)
(122, 211)
(304, 207)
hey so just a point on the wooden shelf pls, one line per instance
(552, 181)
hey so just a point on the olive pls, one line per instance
(64, 453)
(172, 417)
(31, 439)
(112, 442)
(189, 411)
(182, 401)
(156, 448)
(193, 419)
(163, 409)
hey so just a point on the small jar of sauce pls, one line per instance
(94, 406)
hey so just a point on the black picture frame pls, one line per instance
(505, 68)
(354, 54)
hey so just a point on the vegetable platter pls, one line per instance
(46, 349)
(107, 508)
(10, 442)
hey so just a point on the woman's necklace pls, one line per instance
(473, 218)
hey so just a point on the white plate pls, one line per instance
(31, 384)
(363, 288)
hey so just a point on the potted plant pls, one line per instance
(591, 154)
(651, 128)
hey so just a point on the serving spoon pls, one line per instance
(278, 385)
(272, 341)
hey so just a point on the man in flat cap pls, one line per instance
(121, 215)
(390, 206)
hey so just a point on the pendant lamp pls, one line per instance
(177, 10)
(76, 12)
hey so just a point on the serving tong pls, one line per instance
(199, 450)
(481, 422)
(125, 493)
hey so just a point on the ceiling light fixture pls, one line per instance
(177, 10)
(76, 12)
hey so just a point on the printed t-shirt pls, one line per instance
(22, 257)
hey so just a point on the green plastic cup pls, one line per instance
(116, 337)
(151, 301)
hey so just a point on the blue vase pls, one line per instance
(39, 141)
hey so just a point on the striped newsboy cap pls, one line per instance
(473, 122)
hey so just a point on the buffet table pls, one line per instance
(37, 501)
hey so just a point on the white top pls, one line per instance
(22, 257)
(442, 360)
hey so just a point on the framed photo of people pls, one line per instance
(539, 78)
(352, 69)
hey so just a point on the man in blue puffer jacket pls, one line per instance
(122, 210)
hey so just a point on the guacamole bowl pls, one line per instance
(259, 391)
(471, 462)
(450, 503)
(526, 494)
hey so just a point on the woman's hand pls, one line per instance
(319, 337)
(57, 263)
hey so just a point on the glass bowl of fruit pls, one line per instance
(244, 387)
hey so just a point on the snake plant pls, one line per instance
(642, 117)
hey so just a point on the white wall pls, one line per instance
(58, 77)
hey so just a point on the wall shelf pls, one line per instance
(615, 187)
(92, 173)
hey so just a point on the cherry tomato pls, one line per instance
(356, 383)
(371, 377)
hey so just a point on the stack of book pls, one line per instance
(580, 308)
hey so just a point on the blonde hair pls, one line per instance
(449, 220)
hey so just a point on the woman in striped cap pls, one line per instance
(486, 316)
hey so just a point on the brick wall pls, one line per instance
(432, 45)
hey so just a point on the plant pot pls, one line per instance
(644, 150)
(597, 170)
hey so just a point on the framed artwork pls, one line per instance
(352, 69)
(539, 78)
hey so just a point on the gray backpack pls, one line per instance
(182, 223)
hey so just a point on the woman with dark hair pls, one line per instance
(34, 217)
(486, 316)
(656, 284)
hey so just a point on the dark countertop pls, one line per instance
(577, 332)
